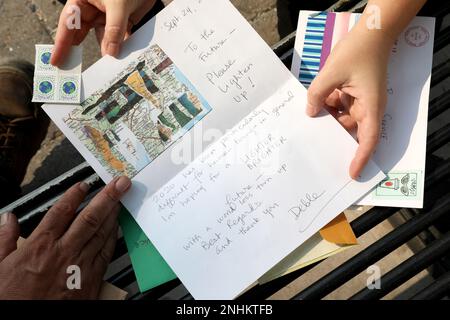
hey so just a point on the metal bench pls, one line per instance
(429, 226)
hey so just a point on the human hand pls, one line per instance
(111, 19)
(352, 87)
(38, 269)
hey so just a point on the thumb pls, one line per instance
(368, 135)
(322, 86)
(117, 14)
(9, 233)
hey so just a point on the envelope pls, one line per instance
(107, 290)
(339, 231)
(335, 237)
(149, 267)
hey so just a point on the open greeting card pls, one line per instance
(229, 174)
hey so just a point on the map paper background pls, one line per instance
(141, 112)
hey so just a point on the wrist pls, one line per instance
(378, 39)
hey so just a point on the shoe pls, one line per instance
(23, 124)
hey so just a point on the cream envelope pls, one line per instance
(335, 237)
(107, 291)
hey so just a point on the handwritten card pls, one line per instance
(232, 193)
(402, 145)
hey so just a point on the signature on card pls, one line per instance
(300, 210)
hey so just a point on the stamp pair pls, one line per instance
(57, 85)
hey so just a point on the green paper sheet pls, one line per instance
(150, 268)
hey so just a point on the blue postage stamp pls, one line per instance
(57, 84)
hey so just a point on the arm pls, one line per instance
(394, 17)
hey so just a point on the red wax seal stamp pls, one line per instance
(417, 36)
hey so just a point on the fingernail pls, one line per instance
(84, 186)
(112, 49)
(311, 111)
(4, 217)
(122, 184)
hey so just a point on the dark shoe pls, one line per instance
(23, 125)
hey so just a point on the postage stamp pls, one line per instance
(69, 88)
(402, 185)
(44, 87)
(42, 61)
(57, 84)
